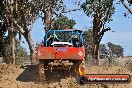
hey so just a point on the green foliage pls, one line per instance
(21, 54)
(23, 10)
(63, 23)
(21, 14)
(102, 51)
(88, 44)
(56, 7)
(116, 49)
(26, 12)
(104, 8)
(101, 11)
(88, 41)
(54, 4)
(88, 59)
(109, 55)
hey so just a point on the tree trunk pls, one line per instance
(31, 47)
(13, 47)
(12, 44)
(12, 39)
(1, 41)
(95, 53)
(47, 18)
(95, 46)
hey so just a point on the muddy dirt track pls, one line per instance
(14, 76)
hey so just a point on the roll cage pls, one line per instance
(62, 37)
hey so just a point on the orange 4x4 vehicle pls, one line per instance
(61, 49)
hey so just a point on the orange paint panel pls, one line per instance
(60, 52)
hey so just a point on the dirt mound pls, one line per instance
(14, 76)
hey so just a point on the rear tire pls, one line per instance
(41, 72)
(75, 68)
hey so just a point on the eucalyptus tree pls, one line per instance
(101, 12)
(19, 15)
(116, 49)
(49, 9)
(9, 25)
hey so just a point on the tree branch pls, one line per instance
(71, 10)
(108, 11)
(126, 6)
(102, 33)
(41, 16)
(19, 27)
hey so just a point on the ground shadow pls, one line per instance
(30, 74)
